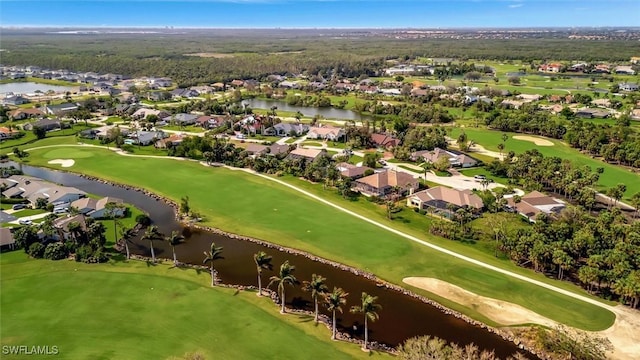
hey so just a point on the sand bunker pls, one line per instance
(499, 311)
(535, 140)
(62, 162)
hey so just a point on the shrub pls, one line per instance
(36, 250)
(55, 251)
(143, 220)
(83, 253)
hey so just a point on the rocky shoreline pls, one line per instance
(380, 283)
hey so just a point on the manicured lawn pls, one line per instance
(355, 159)
(483, 171)
(311, 143)
(612, 175)
(244, 203)
(30, 137)
(291, 140)
(411, 169)
(28, 212)
(135, 311)
(191, 128)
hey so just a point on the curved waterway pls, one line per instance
(325, 112)
(401, 317)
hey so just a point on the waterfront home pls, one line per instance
(21, 114)
(61, 109)
(32, 189)
(325, 133)
(97, 209)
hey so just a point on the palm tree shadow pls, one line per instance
(150, 263)
(305, 318)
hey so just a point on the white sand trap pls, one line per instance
(499, 311)
(62, 162)
(535, 140)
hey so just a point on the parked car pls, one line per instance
(25, 222)
(19, 206)
(479, 177)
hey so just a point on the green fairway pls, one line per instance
(612, 175)
(136, 311)
(249, 205)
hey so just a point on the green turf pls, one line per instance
(135, 311)
(28, 212)
(246, 204)
(612, 175)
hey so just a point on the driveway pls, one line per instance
(5, 218)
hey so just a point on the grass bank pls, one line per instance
(131, 310)
(249, 205)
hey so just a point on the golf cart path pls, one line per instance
(624, 316)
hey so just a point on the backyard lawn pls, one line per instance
(612, 175)
(249, 205)
(132, 310)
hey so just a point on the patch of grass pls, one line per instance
(106, 311)
(412, 169)
(355, 159)
(243, 203)
(483, 171)
(311, 143)
(28, 212)
(442, 173)
(290, 140)
(190, 128)
(612, 175)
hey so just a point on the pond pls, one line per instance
(29, 88)
(325, 112)
(401, 317)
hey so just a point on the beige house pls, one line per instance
(325, 133)
(310, 154)
(384, 183)
(455, 158)
(442, 198)
(534, 203)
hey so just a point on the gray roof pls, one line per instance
(182, 117)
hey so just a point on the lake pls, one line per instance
(401, 317)
(325, 112)
(28, 88)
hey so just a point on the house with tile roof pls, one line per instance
(456, 158)
(384, 183)
(441, 198)
(534, 203)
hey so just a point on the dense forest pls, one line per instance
(255, 56)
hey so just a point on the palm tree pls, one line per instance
(284, 277)
(152, 233)
(210, 257)
(334, 301)
(369, 309)
(174, 239)
(126, 235)
(112, 210)
(263, 262)
(317, 288)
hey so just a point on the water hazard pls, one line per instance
(401, 316)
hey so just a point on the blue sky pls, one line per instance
(321, 13)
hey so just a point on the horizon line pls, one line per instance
(178, 27)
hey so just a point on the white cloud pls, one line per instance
(514, 6)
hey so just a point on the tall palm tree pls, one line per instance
(152, 234)
(174, 240)
(263, 262)
(285, 277)
(334, 301)
(126, 235)
(317, 288)
(210, 257)
(369, 309)
(112, 210)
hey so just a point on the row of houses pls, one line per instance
(584, 67)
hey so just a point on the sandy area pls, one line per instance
(535, 140)
(62, 162)
(623, 334)
(497, 310)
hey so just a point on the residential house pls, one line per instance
(588, 113)
(6, 239)
(286, 129)
(344, 86)
(62, 225)
(158, 95)
(534, 203)
(605, 103)
(6, 133)
(209, 122)
(14, 100)
(256, 149)
(182, 119)
(325, 133)
(635, 114)
(21, 114)
(624, 70)
(61, 109)
(237, 83)
(146, 137)
(529, 97)
(171, 141)
(385, 141)
(309, 154)
(444, 199)
(601, 69)
(455, 158)
(384, 183)
(47, 124)
(160, 82)
(628, 87)
(512, 104)
(97, 209)
(184, 93)
(278, 150)
(144, 112)
(27, 187)
(352, 171)
(419, 92)
(289, 84)
(552, 68)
